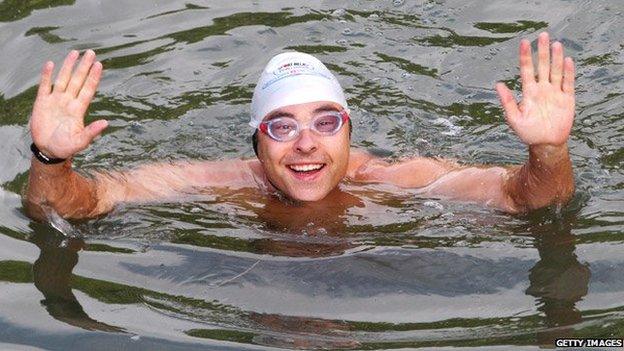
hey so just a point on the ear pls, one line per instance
(254, 143)
(350, 128)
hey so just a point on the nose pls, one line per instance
(306, 142)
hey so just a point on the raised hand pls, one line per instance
(546, 112)
(57, 121)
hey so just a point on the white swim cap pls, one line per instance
(293, 78)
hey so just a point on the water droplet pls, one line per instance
(137, 127)
(339, 12)
(135, 338)
(434, 204)
(373, 16)
(398, 2)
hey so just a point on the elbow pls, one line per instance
(75, 200)
(34, 210)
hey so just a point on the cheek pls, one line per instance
(269, 154)
(342, 146)
(339, 151)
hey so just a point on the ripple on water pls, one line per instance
(381, 268)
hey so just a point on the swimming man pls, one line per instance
(302, 131)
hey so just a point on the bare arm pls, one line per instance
(57, 127)
(441, 178)
(543, 121)
(546, 178)
(73, 195)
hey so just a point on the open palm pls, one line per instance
(546, 113)
(57, 121)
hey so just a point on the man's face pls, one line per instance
(308, 167)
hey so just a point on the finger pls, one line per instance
(79, 76)
(91, 83)
(93, 130)
(543, 57)
(527, 74)
(63, 76)
(557, 64)
(45, 83)
(568, 76)
(512, 113)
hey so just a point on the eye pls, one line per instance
(327, 123)
(283, 127)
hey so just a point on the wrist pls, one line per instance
(43, 158)
(549, 150)
(547, 156)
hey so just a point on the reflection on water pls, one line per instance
(12, 10)
(52, 273)
(556, 279)
(371, 267)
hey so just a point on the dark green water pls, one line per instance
(386, 270)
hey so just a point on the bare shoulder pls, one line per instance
(166, 180)
(223, 173)
(414, 172)
(357, 159)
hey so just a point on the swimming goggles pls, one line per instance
(287, 128)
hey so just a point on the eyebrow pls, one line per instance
(278, 114)
(324, 108)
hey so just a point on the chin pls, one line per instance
(308, 195)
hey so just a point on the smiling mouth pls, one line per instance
(307, 168)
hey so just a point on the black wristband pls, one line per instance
(43, 158)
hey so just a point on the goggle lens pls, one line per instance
(328, 124)
(283, 128)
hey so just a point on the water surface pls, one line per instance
(381, 268)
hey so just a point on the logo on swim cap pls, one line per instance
(292, 69)
(293, 78)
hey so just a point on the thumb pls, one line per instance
(512, 113)
(93, 130)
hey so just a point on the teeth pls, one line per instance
(306, 168)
